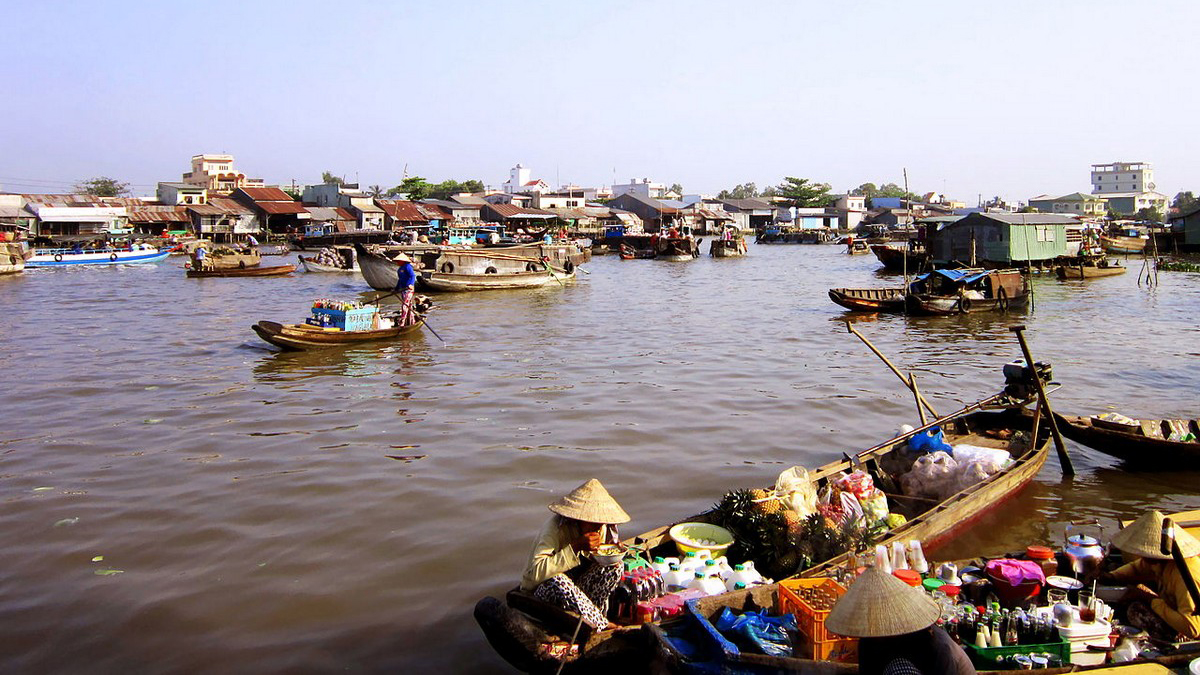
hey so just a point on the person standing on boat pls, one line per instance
(896, 627)
(1158, 600)
(201, 258)
(557, 572)
(251, 243)
(406, 282)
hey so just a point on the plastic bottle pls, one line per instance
(660, 565)
(752, 575)
(882, 561)
(981, 636)
(706, 584)
(916, 556)
(676, 578)
(691, 562)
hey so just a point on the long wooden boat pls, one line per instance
(896, 258)
(943, 292)
(857, 247)
(276, 271)
(1084, 270)
(60, 257)
(520, 625)
(302, 337)
(311, 265)
(1116, 243)
(869, 299)
(727, 248)
(1146, 444)
(496, 281)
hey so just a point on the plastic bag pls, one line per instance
(933, 476)
(993, 458)
(795, 489)
(758, 631)
(875, 509)
(840, 508)
(859, 483)
(930, 440)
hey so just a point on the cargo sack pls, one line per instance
(796, 491)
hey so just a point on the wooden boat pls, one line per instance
(346, 257)
(857, 247)
(728, 248)
(1116, 243)
(676, 249)
(869, 299)
(1146, 444)
(630, 253)
(943, 292)
(276, 271)
(1090, 270)
(274, 249)
(493, 281)
(302, 337)
(896, 258)
(12, 257)
(60, 257)
(225, 258)
(520, 625)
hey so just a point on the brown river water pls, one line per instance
(342, 511)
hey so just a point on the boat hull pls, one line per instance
(869, 299)
(457, 283)
(300, 337)
(311, 265)
(1088, 271)
(276, 271)
(63, 259)
(727, 248)
(940, 305)
(895, 259)
(1135, 448)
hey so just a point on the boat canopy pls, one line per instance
(958, 276)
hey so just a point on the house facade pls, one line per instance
(640, 188)
(851, 210)
(216, 173)
(275, 209)
(172, 194)
(1001, 238)
(750, 214)
(1128, 186)
(222, 220)
(1076, 203)
(1189, 224)
(655, 215)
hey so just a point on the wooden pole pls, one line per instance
(907, 382)
(1064, 459)
(912, 382)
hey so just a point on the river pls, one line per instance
(179, 498)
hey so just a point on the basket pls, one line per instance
(818, 643)
(992, 658)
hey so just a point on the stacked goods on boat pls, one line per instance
(346, 316)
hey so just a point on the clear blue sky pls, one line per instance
(1014, 98)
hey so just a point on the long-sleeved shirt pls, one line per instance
(552, 553)
(405, 277)
(1174, 603)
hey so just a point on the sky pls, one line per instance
(1013, 98)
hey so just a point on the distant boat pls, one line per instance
(967, 291)
(869, 299)
(1117, 243)
(1090, 269)
(58, 257)
(12, 257)
(276, 271)
(894, 257)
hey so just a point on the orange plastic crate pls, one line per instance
(810, 620)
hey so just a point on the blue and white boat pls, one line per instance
(58, 257)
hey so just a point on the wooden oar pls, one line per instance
(907, 382)
(1064, 459)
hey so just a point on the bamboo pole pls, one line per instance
(912, 383)
(907, 382)
(1064, 459)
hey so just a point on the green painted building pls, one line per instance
(1001, 239)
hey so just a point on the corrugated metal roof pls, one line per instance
(1025, 218)
(714, 215)
(514, 211)
(265, 194)
(220, 206)
(161, 214)
(407, 211)
(281, 208)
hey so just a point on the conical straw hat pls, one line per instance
(590, 503)
(880, 605)
(1143, 537)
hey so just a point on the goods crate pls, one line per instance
(816, 641)
(994, 658)
(351, 319)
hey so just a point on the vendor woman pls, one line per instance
(1158, 600)
(558, 571)
(896, 624)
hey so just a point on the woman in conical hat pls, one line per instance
(896, 624)
(1159, 600)
(558, 571)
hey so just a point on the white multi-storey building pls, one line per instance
(1128, 186)
(216, 173)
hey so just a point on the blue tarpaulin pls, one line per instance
(960, 276)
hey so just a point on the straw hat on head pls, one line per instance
(880, 605)
(1143, 537)
(590, 503)
(401, 258)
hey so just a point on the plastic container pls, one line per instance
(994, 658)
(740, 575)
(910, 577)
(809, 618)
(1044, 556)
(709, 585)
(1014, 596)
(676, 578)
(687, 537)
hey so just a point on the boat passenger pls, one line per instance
(406, 281)
(557, 572)
(896, 624)
(251, 243)
(201, 256)
(1159, 601)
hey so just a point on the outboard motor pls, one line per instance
(1018, 378)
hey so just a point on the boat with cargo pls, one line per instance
(1160, 444)
(348, 326)
(1090, 268)
(525, 630)
(259, 271)
(466, 269)
(962, 291)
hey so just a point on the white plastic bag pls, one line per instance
(796, 491)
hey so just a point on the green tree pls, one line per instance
(102, 186)
(892, 190)
(328, 178)
(769, 192)
(676, 188)
(472, 186)
(1149, 213)
(867, 190)
(415, 187)
(803, 193)
(1185, 202)
(375, 191)
(743, 191)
